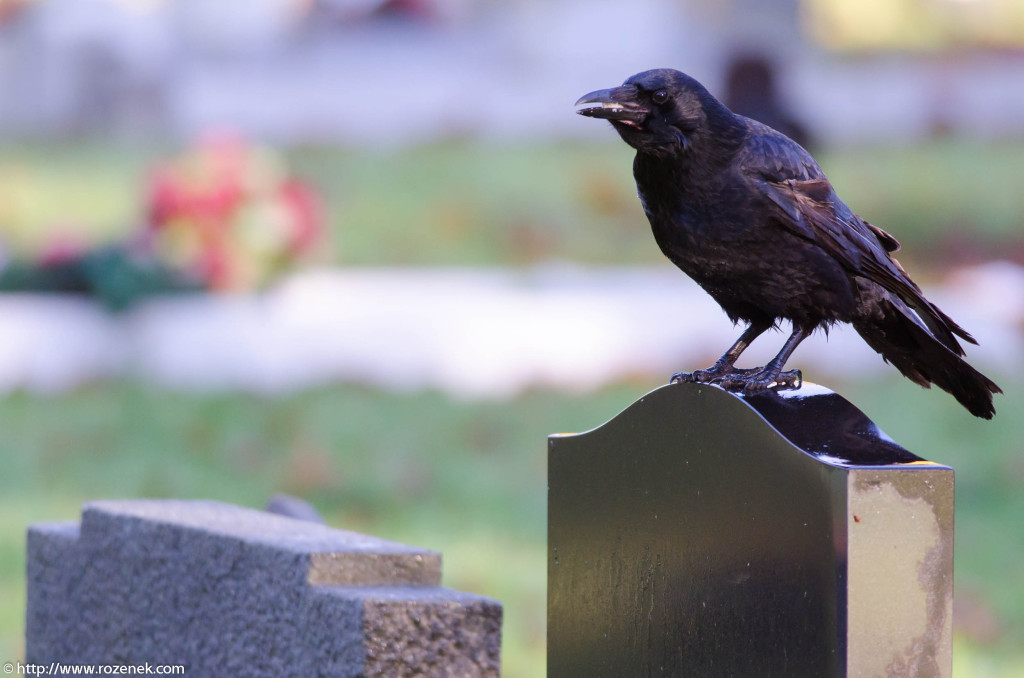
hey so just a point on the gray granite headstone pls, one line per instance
(229, 591)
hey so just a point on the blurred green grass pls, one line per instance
(464, 203)
(464, 477)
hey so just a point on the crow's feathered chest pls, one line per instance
(720, 230)
(706, 222)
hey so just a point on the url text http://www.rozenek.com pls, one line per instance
(61, 669)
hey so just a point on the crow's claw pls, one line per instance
(755, 381)
(712, 375)
(736, 382)
(793, 379)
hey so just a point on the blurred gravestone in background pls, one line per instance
(709, 534)
(751, 90)
(229, 591)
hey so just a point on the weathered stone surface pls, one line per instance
(230, 591)
(416, 631)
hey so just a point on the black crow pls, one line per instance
(749, 215)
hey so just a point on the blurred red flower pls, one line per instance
(231, 215)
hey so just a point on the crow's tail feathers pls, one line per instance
(891, 329)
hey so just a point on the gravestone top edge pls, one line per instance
(814, 419)
(405, 593)
(245, 524)
(67, 529)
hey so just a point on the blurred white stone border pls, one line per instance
(469, 332)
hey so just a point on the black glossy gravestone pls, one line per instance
(705, 533)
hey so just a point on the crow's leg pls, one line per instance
(723, 367)
(772, 374)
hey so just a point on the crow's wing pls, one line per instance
(804, 203)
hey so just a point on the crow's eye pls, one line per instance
(660, 97)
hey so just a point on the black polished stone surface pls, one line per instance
(705, 533)
(824, 424)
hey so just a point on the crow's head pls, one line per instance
(660, 112)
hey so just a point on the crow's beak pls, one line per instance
(617, 103)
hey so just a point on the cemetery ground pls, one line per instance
(467, 477)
